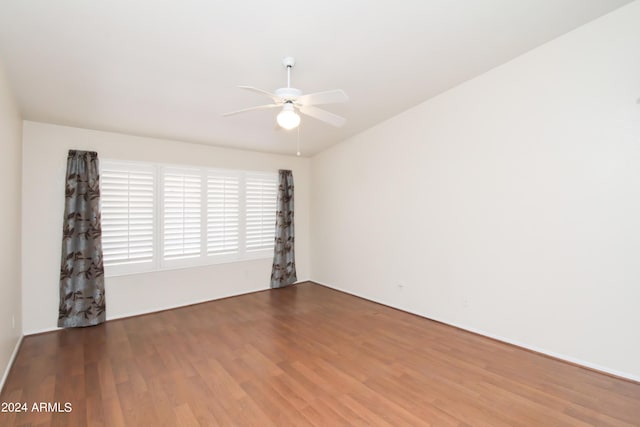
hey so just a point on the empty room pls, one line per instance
(410, 213)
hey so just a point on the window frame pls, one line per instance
(158, 263)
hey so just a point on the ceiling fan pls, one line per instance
(290, 99)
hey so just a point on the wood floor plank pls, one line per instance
(302, 356)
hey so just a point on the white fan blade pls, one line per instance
(329, 97)
(273, 96)
(259, 107)
(325, 116)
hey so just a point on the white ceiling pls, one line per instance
(169, 69)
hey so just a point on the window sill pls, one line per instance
(126, 270)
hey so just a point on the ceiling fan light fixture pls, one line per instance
(287, 118)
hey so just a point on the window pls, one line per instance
(157, 217)
(223, 214)
(181, 213)
(261, 193)
(128, 221)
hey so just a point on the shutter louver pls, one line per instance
(223, 214)
(127, 210)
(261, 193)
(181, 214)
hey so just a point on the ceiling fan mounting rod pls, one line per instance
(288, 62)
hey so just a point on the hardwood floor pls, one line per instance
(301, 356)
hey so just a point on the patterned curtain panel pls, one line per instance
(82, 299)
(283, 272)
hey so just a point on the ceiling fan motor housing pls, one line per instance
(288, 93)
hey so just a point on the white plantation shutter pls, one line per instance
(223, 213)
(260, 211)
(127, 210)
(157, 217)
(181, 213)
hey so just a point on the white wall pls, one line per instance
(44, 163)
(10, 177)
(509, 205)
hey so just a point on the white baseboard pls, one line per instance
(563, 357)
(184, 304)
(10, 364)
(151, 310)
(536, 349)
(41, 331)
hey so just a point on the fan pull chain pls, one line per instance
(298, 152)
